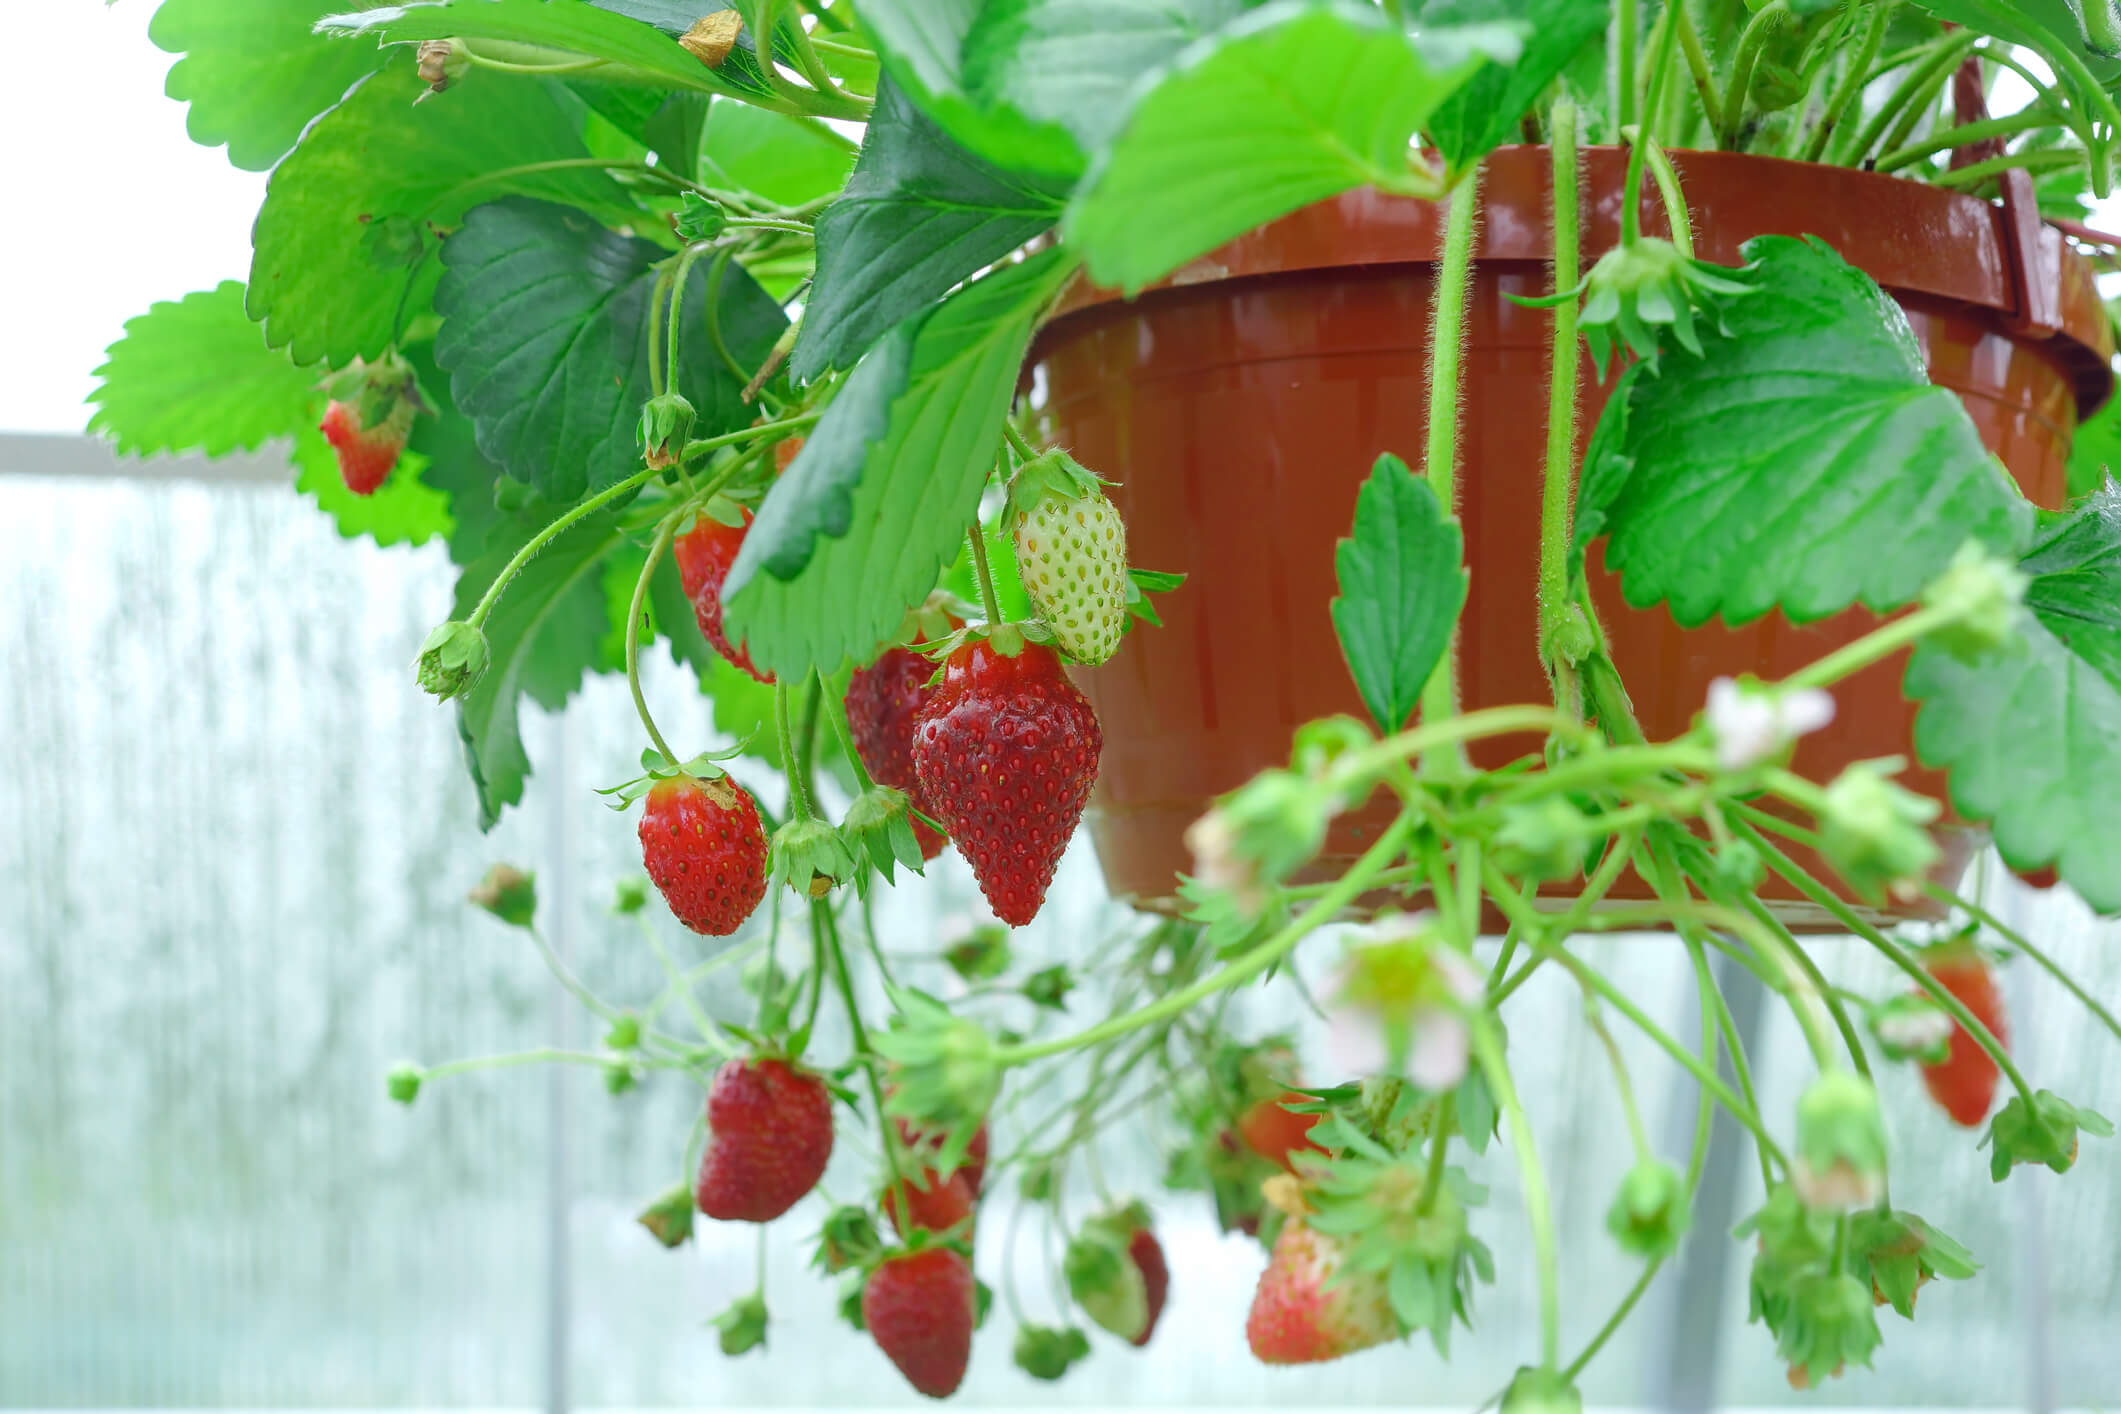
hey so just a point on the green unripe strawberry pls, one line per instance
(1071, 548)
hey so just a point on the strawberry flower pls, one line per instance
(1400, 1007)
(1751, 723)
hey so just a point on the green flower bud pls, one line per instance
(620, 1075)
(1045, 1352)
(1539, 1391)
(1649, 1216)
(701, 218)
(1832, 1321)
(1049, 987)
(1875, 832)
(810, 857)
(508, 894)
(743, 1325)
(403, 1082)
(666, 425)
(453, 659)
(1984, 594)
(668, 1217)
(1841, 1143)
(624, 1033)
(1543, 840)
(631, 896)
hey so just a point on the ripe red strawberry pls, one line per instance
(366, 451)
(1964, 1082)
(703, 845)
(1007, 749)
(1301, 1314)
(882, 702)
(704, 555)
(1277, 1133)
(1147, 1255)
(919, 1307)
(934, 1203)
(770, 1129)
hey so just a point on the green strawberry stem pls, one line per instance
(2063, 59)
(799, 1040)
(2022, 944)
(634, 614)
(1637, 1135)
(798, 796)
(545, 537)
(540, 1055)
(657, 313)
(1615, 1321)
(677, 985)
(1697, 62)
(1454, 274)
(1559, 486)
(1765, 21)
(1852, 80)
(1829, 995)
(985, 575)
(1638, 144)
(688, 977)
(1538, 1210)
(1818, 893)
(1668, 191)
(1931, 63)
(837, 714)
(1717, 1023)
(1627, 40)
(1017, 444)
(1360, 875)
(1929, 146)
(677, 308)
(1432, 1182)
(821, 916)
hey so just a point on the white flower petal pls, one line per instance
(1441, 1043)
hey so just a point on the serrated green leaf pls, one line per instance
(1075, 62)
(921, 44)
(2095, 451)
(2031, 734)
(571, 25)
(1403, 581)
(547, 630)
(1803, 461)
(875, 504)
(404, 510)
(750, 149)
(1289, 105)
(253, 72)
(1486, 111)
(545, 339)
(343, 246)
(2041, 25)
(194, 375)
(918, 215)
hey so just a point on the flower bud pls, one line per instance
(1649, 1215)
(1983, 593)
(666, 425)
(1875, 832)
(508, 894)
(453, 659)
(403, 1082)
(1840, 1162)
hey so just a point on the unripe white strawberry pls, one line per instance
(1071, 549)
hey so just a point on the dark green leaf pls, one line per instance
(194, 375)
(1486, 112)
(547, 630)
(1287, 106)
(673, 131)
(1402, 580)
(1803, 461)
(750, 149)
(877, 501)
(921, 44)
(918, 215)
(1075, 62)
(253, 72)
(352, 217)
(2031, 734)
(545, 338)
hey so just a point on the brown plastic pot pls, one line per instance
(1240, 404)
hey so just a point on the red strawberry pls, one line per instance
(706, 850)
(1148, 1256)
(366, 450)
(919, 1307)
(704, 555)
(934, 1203)
(1964, 1082)
(1007, 749)
(882, 701)
(771, 1133)
(1277, 1133)
(1302, 1314)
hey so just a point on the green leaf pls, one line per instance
(2043, 25)
(2095, 454)
(253, 72)
(405, 510)
(194, 375)
(1486, 112)
(2031, 734)
(1402, 580)
(1075, 62)
(750, 149)
(547, 630)
(876, 502)
(545, 338)
(673, 131)
(343, 243)
(921, 44)
(919, 215)
(1289, 105)
(572, 25)
(1803, 461)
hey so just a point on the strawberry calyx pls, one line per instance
(701, 769)
(1049, 476)
(879, 827)
(811, 857)
(1901, 1252)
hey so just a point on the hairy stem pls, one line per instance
(1565, 362)
(1439, 697)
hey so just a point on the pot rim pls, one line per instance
(1912, 238)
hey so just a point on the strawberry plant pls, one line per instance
(760, 329)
